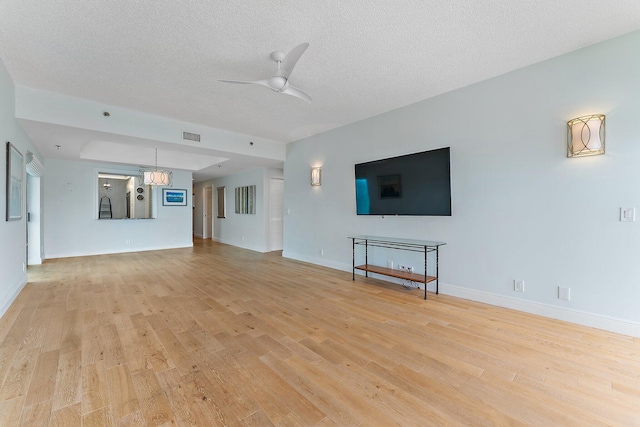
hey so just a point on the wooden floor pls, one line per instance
(217, 335)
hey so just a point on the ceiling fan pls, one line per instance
(280, 81)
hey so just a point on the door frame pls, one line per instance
(274, 178)
(207, 201)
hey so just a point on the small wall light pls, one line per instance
(316, 176)
(585, 136)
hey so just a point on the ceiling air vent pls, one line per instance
(190, 136)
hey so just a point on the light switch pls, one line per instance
(627, 214)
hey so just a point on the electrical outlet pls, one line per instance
(518, 285)
(628, 214)
(564, 293)
(321, 252)
(128, 241)
(390, 264)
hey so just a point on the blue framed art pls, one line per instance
(174, 197)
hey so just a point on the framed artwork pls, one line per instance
(15, 171)
(246, 199)
(174, 197)
(222, 210)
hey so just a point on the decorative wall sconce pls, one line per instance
(316, 176)
(585, 136)
(155, 176)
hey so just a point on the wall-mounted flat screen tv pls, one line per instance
(414, 184)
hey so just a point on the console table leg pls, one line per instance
(437, 279)
(425, 272)
(353, 260)
(366, 257)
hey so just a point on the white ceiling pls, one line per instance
(163, 57)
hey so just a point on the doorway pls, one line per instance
(207, 213)
(276, 209)
(34, 239)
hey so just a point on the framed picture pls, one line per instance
(173, 197)
(15, 170)
(246, 199)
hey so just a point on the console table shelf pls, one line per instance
(422, 246)
(406, 275)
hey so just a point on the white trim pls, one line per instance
(199, 236)
(593, 320)
(206, 220)
(11, 296)
(115, 251)
(318, 261)
(239, 245)
(35, 261)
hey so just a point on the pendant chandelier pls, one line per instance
(155, 176)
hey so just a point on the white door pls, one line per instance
(34, 240)
(207, 213)
(276, 213)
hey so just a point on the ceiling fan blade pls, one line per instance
(291, 59)
(290, 90)
(247, 82)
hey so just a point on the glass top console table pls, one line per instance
(423, 246)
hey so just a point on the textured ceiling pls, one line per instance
(365, 57)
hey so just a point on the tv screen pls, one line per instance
(414, 184)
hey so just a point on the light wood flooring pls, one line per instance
(217, 335)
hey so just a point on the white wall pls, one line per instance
(47, 107)
(13, 275)
(521, 209)
(72, 227)
(244, 230)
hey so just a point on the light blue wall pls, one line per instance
(521, 209)
(72, 227)
(250, 231)
(12, 233)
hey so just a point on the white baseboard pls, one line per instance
(593, 320)
(115, 251)
(240, 245)
(15, 290)
(597, 321)
(317, 260)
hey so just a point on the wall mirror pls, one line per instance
(120, 196)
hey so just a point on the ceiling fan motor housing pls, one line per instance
(277, 83)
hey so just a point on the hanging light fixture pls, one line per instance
(155, 176)
(106, 185)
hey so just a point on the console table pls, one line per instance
(423, 246)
